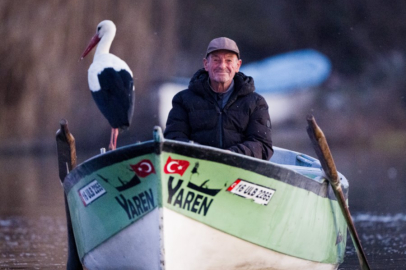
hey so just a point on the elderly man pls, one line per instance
(220, 107)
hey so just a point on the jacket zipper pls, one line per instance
(221, 128)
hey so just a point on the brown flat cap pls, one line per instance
(223, 43)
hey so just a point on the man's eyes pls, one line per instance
(219, 60)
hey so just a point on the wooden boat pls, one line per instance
(164, 204)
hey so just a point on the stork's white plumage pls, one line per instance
(110, 81)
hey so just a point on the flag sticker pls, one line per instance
(143, 168)
(176, 166)
(91, 192)
(259, 194)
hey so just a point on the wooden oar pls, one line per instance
(66, 149)
(326, 159)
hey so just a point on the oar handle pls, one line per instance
(66, 149)
(323, 152)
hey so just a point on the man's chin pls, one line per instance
(222, 79)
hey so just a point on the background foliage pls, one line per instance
(42, 80)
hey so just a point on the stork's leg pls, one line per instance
(113, 139)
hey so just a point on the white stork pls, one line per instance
(110, 81)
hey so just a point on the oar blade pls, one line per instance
(65, 144)
(322, 149)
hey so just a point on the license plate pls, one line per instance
(91, 192)
(259, 194)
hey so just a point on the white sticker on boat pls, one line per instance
(91, 192)
(258, 193)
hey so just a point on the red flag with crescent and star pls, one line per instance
(178, 166)
(143, 168)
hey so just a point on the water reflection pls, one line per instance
(32, 218)
(30, 185)
(35, 242)
(33, 226)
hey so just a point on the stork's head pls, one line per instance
(104, 29)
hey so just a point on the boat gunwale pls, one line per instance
(262, 167)
(102, 160)
(269, 169)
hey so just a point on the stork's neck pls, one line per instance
(105, 43)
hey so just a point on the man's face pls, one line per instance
(222, 66)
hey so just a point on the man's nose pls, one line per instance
(222, 63)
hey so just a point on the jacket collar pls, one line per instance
(243, 85)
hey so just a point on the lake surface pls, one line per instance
(33, 225)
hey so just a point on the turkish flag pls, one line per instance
(143, 168)
(176, 166)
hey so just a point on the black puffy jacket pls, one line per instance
(242, 126)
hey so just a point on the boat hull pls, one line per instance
(214, 249)
(134, 247)
(171, 205)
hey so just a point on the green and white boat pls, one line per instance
(164, 204)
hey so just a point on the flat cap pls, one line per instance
(223, 43)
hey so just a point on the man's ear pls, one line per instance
(205, 61)
(239, 63)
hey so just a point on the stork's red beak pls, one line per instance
(93, 42)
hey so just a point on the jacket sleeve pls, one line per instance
(177, 125)
(258, 142)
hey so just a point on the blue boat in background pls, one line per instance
(289, 72)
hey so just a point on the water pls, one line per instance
(32, 215)
(383, 238)
(33, 226)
